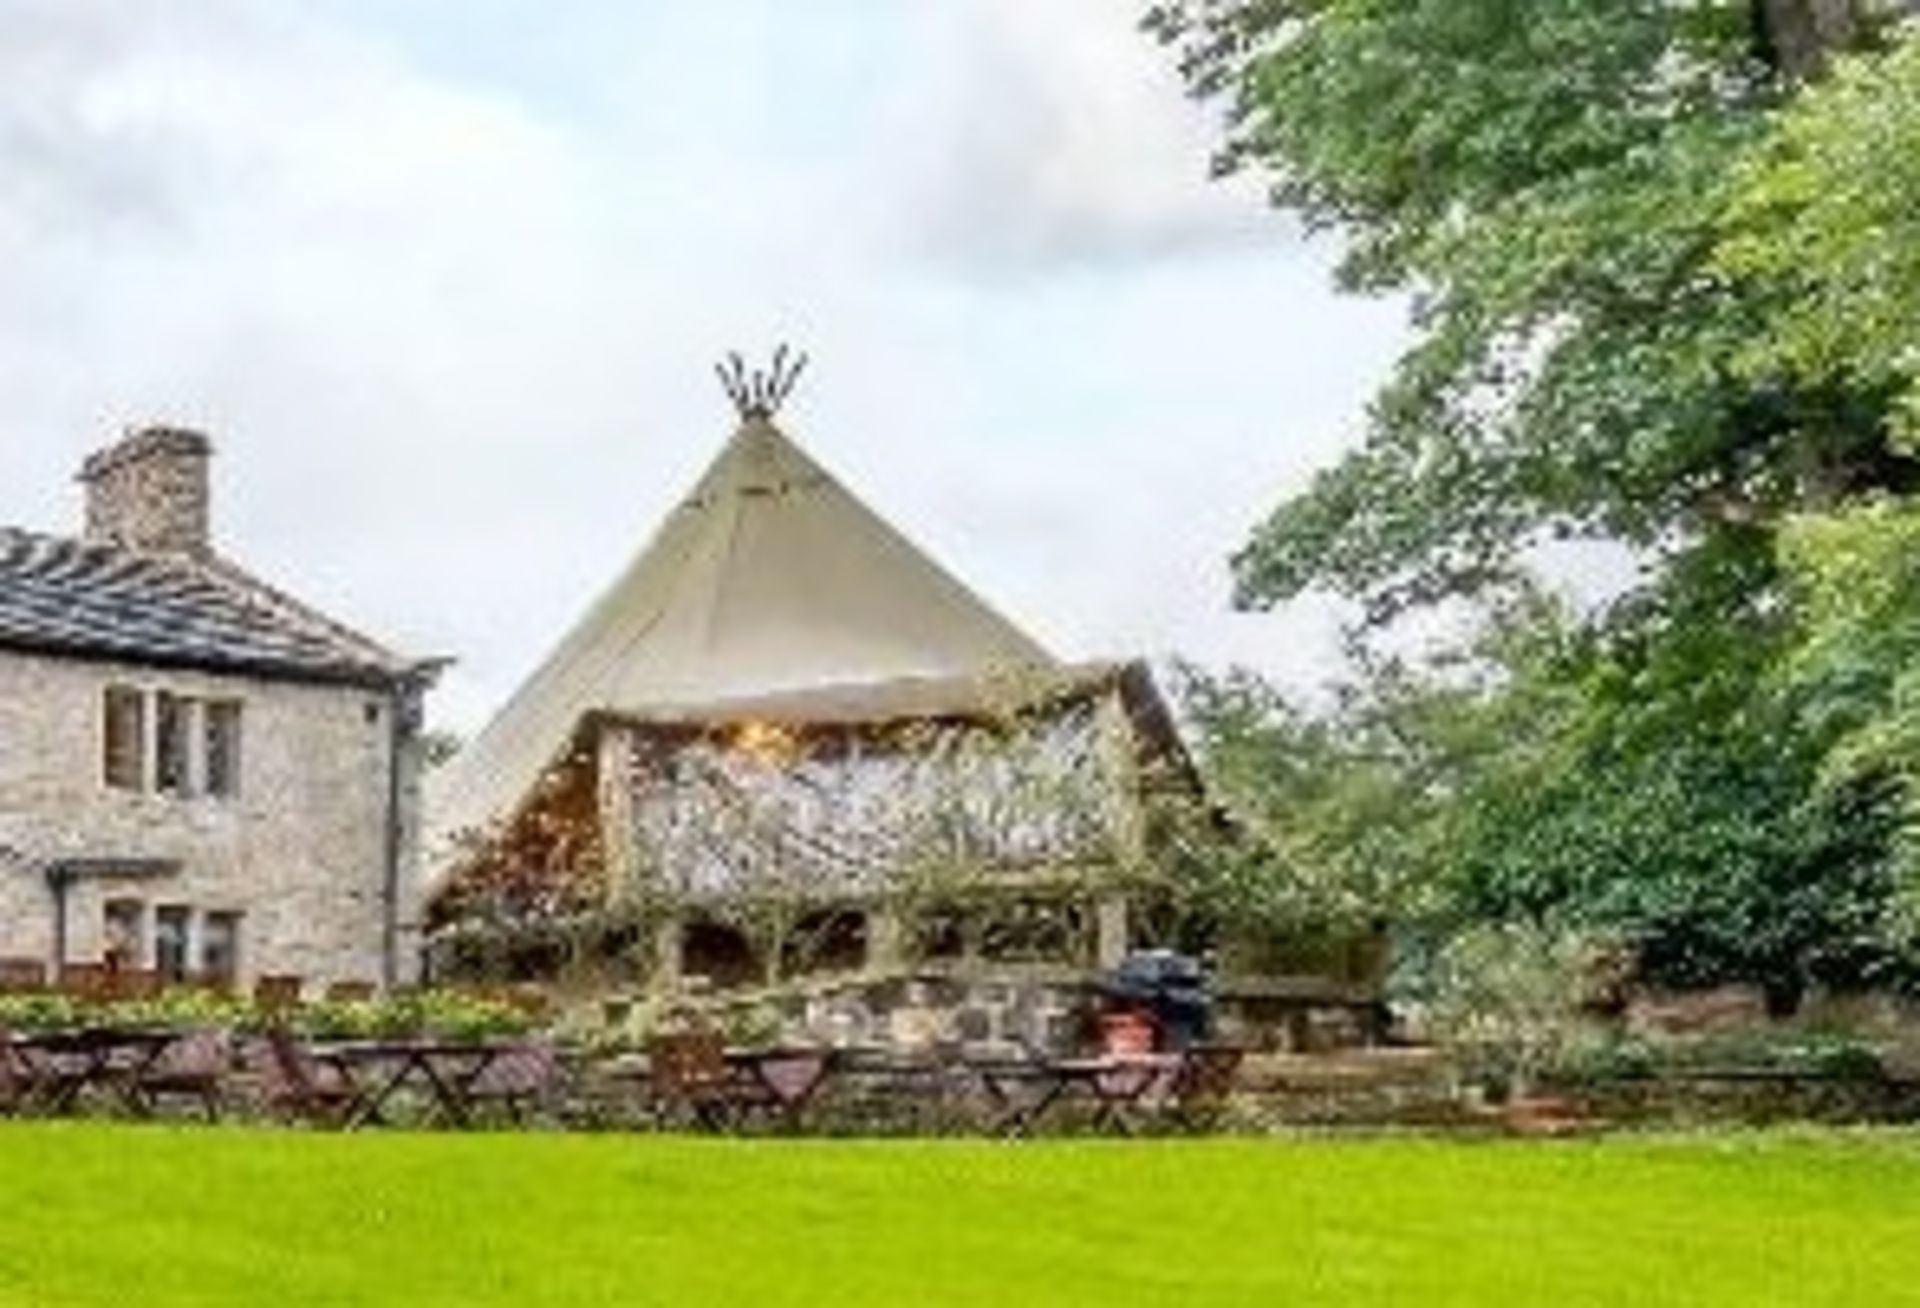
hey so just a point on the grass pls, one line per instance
(102, 1215)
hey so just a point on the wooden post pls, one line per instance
(886, 940)
(614, 800)
(669, 946)
(1111, 916)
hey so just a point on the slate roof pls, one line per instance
(88, 600)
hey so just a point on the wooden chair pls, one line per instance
(134, 983)
(1204, 1084)
(691, 1079)
(218, 984)
(277, 994)
(519, 1080)
(301, 1088)
(193, 1067)
(22, 976)
(41, 1077)
(17, 1080)
(87, 982)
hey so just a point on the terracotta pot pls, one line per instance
(1126, 1033)
(1543, 1115)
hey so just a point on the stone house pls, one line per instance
(199, 775)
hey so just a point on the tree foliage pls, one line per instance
(1826, 221)
(1668, 798)
(1662, 263)
(1549, 180)
(1854, 673)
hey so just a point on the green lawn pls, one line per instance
(130, 1216)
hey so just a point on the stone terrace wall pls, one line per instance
(1043, 1008)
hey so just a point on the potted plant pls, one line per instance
(1511, 1000)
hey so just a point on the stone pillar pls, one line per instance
(1110, 914)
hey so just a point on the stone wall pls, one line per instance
(150, 492)
(300, 851)
(1044, 1008)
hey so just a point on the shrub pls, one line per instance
(1511, 998)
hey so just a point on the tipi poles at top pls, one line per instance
(759, 393)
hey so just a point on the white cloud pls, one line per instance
(240, 217)
(453, 338)
(1057, 132)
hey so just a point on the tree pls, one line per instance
(1826, 224)
(1661, 262)
(1548, 180)
(1552, 777)
(1855, 670)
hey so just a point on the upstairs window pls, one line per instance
(220, 747)
(193, 747)
(172, 754)
(125, 756)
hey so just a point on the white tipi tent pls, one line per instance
(771, 577)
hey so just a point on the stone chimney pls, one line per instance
(150, 492)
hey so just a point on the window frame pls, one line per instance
(162, 742)
(164, 917)
(123, 763)
(222, 753)
(124, 919)
(228, 926)
(173, 744)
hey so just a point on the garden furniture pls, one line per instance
(445, 1070)
(692, 1080)
(302, 1088)
(88, 982)
(277, 994)
(928, 1087)
(1204, 1083)
(782, 1080)
(133, 983)
(68, 1064)
(16, 1076)
(22, 976)
(1017, 1089)
(193, 1067)
(350, 992)
(1022, 1091)
(519, 1078)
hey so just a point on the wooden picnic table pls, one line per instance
(785, 1078)
(377, 1070)
(1022, 1091)
(61, 1066)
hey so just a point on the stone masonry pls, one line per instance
(307, 840)
(298, 852)
(150, 492)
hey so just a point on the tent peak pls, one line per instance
(757, 394)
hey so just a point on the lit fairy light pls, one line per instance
(765, 742)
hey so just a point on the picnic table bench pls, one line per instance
(1023, 1091)
(59, 1068)
(450, 1073)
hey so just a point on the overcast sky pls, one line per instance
(445, 280)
